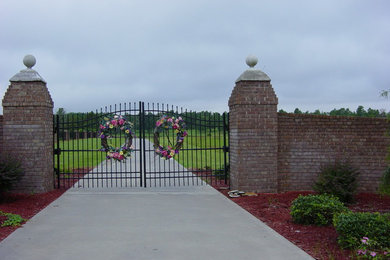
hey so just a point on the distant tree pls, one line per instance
(382, 113)
(297, 111)
(348, 112)
(341, 112)
(282, 111)
(61, 111)
(360, 111)
(373, 113)
(385, 93)
(317, 112)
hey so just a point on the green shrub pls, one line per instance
(12, 219)
(338, 179)
(384, 187)
(316, 209)
(352, 226)
(10, 172)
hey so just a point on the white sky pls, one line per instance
(319, 54)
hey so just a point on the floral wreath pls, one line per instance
(165, 123)
(108, 126)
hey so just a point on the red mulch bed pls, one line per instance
(27, 205)
(319, 242)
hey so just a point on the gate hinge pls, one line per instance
(57, 151)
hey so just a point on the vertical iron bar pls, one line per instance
(143, 142)
(215, 129)
(58, 147)
(64, 139)
(140, 142)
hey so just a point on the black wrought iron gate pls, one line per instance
(79, 160)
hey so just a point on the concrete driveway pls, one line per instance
(168, 223)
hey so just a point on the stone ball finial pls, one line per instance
(251, 61)
(29, 61)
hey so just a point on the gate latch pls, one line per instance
(57, 151)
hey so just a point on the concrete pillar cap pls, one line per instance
(28, 74)
(252, 74)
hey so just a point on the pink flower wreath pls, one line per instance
(108, 126)
(166, 123)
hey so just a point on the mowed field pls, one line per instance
(200, 150)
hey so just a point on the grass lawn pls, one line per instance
(82, 153)
(201, 150)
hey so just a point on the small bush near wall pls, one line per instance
(352, 226)
(10, 172)
(316, 209)
(338, 179)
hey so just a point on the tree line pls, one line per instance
(90, 121)
(202, 121)
(359, 112)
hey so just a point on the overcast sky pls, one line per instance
(319, 54)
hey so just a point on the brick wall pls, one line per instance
(305, 142)
(1, 133)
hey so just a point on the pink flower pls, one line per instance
(361, 252)
(170, 120)
(121, 121)
(175, 126)
(102, 127)
(158, 123)
(364, 241)
(114, 122)
(373, 254)
(184, 133)
(385, 253)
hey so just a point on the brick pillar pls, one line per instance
(253, 132)
(28, 128)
